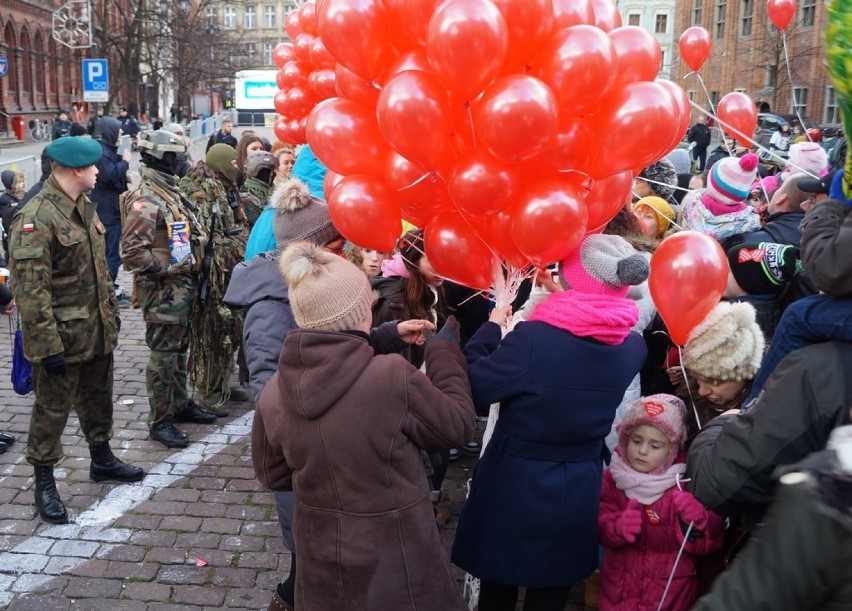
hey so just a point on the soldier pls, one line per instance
(260, 169)
(214, 329)
(69, 317)
(165, 282)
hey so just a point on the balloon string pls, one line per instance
(688, 389)
(792, 89)
(470, 120)
(713, 112)
(415, 183)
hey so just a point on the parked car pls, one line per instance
(767, 124)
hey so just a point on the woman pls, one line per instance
(780, 140)
(367, 260)
(531, 517)
(286, 160)
(248, 144)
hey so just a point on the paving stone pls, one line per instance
(79, 549)
(90, 587)
(20, 563)
(138, 571)
(221, 525)
(198, 595)
(250, 598)
(155, 592)
(107, 604)
(202, 539)
(34, 602)
(184, 575)
(239, 578)
(258, 560)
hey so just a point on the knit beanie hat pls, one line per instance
(664, 412)
(808, 157)
(727, 345)
(300, 216)
(604, 265)
(665, 213)
(219, 158)
(327, 292)
(730, 179)
(662, 171)
(764, 268)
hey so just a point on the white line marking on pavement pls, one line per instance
(33, 567)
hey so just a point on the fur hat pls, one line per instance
(665, 213)
(727, 345)
(300, 216)
(764, 268)
(730, 179)
(662, 171)
(604, 265)
(808, 157)
(664, 412)
(327, 292)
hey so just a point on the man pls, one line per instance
(111, 183)
(165, 289)
(61, 127)
(75, 116)
(699, 134)
(129, 125)
(816, 188)
(92, 125)
(184, 159)
(260, 171)
(223, 136)
(69, 318)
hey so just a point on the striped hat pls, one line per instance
(731, 178)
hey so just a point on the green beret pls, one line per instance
(74, 151)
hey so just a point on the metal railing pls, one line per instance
(202, 128)
(29, 165)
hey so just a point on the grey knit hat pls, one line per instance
(604, 265)
(727, 345)
(662, 171)
(300, 216)
(327, 292)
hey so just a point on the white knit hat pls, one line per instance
(664, 412)
(727, 345)
(729, 180)
(808, 157)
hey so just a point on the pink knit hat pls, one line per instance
(730, 179)
(603, 265)
(808, 157)
(664, 412)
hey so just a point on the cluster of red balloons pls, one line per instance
(503, 127)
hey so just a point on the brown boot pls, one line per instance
(593, 588)
(278, 604)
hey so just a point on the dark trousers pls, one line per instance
(699, 153)
(501, 597)
(112, 238)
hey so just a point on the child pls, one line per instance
(644, 516)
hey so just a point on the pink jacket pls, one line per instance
(634, 575)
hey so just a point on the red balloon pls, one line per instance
(414, 115)
(282, 53)
(352, 87)
(355, 33)
(456, 252)
(568, 150)
(365, 211)
(289, 131)
(308, 18)
(293, 74)
(410, 21)
(738, 117)
(572, 12)
(467, 45)
(633, 128)
(280, 102)
(578, 63)
(322, 84)
(320, 57)
(303, 48)
(291, 24)
(345, 137)
(607, 196)
(499, 231)
(638, 56)
(694, 46)
(421, 194)
(689, 272)
(480, 184)
(331, 180)
(683, 106)
(297, 102)
(530, 23)
(781, 12)
(548, 221)
(410, 60)
(607, 16)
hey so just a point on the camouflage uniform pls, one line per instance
(165, 292)
(254, 196)
(215, 329)
(67, 305)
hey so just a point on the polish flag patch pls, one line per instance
(28, 227)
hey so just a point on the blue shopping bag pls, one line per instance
(22, 369)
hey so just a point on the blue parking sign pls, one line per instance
(95, 80)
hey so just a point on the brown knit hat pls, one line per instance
(300, 216)
(327, 292)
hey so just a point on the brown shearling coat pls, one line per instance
(344, 427)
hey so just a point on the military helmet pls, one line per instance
(258, 161)
(158, 142)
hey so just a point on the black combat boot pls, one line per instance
(106, 466)
(168, 434)
(195, 413)
(47, 500)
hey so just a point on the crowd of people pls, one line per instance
(714, 475)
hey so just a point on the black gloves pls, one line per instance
(450, 332)
(55, 365)
(118, 322)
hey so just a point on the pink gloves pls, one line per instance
(629, 523)
(691, 509)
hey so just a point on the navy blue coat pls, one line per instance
(531, 517)
(111, 182)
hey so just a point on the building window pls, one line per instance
(772, 75)
(661, 23)
(800, 100)
(251, 52)
(721, 6)
(691, 95)
(663, 59)
(740, 89)
(267, 53)
(230, 21)
(633, 19)
(210, 16)
(249, 14)
(746, 12)
(808, 12)
(269, 16)
(714, 98)
(696, 11)
(831, 115)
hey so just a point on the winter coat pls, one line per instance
(802, 560)
(717, 154)
(129, 125)
(732, 459)
(390, 304)
(634, 575)
(531, 517)
(220, 137)
(781, 228)
(827, 247)
(343, 428)
(262, 236)
(112, 174)
(697, 217)
(310, 171)
(700, 135)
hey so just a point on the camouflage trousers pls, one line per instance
(87, 388)
(166, 306)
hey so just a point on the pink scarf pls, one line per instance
(647, 488)
(602, 317)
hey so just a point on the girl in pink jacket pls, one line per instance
(644, 515)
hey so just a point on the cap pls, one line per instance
(817, 185)
(74, 152)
